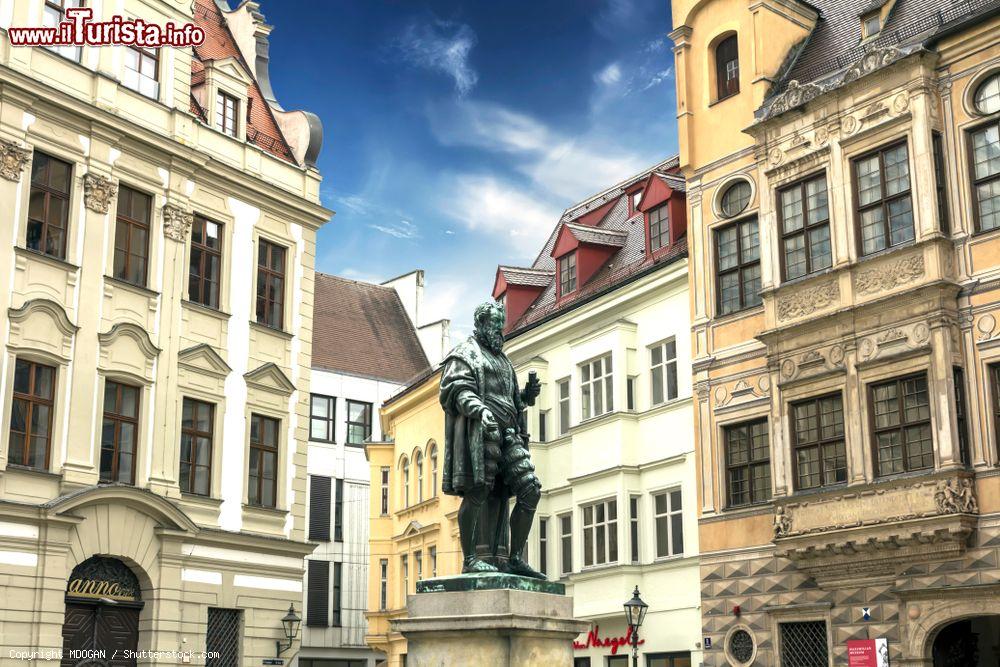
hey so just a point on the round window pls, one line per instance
(735, 199)
(741, 646)
(987, 99)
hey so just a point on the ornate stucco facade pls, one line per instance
(136, 360)
(845, 380)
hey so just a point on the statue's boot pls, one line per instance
(517, 566)
(468, 519)
(474, 564)
(520, 524)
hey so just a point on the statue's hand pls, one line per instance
(489, 421)
(532, 388)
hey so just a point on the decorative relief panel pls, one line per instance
(176, 223)
(98, 192)
(13, 159)
(42, 324)
(127, 347)
(813, 362)
(741, 391)
(985, 327)
(889, 276)
(895, 340)
(807, 301)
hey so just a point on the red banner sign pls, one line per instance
(867, 653)
(594, 640)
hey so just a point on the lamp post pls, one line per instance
(635, 613)
(290, 624)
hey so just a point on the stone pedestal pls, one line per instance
(489, 619)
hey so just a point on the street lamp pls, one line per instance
(635, 613)
(290, 624)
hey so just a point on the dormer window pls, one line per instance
(727, 67)
(227, 114)
(871, 25)
(567, 274)
(142, 70)
(659, 228)
(636, 198)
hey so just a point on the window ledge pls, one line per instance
(281, 333)
(15, 467)
(738, 314)
(198, 499)
(139, 289)
(984, 233)
(266, 512)
(208, 310)
(48, 259)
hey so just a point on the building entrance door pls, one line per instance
(101, 625)
(971, 642)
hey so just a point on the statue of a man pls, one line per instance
(486, 458)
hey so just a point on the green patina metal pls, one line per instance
(487, 581)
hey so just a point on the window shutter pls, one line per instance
(318, 602)
(319, 508)
(338, 512)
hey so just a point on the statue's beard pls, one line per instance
(492, 339)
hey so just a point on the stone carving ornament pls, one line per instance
(892, 275)
(13, 158)
(176, 222)
(808, 301)
(873, 60)
(98, 192)
(782, 522)
(957, 498)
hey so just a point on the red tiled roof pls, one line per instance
(363, 329)
(262, 128)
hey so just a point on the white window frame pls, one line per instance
(565, 543)
(592, 557)
(667, 367)
(135, 79)
(565, 414)
(591, 384)
(669, 514)
(383, 584)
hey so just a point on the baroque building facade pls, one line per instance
(160, 216)
(842, 162)
(602, 318)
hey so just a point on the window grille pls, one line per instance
(804, 644)
(223, 638)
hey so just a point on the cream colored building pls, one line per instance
(842, 171)
(154, 399)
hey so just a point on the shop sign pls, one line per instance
(106, 578)
(868, 653)
(594, 640)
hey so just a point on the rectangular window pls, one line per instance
(318, 593)
(630, 392)
(48, 205)
(804, 215)
(567, 274)
(727, 67)
(994, 372)
(54, 13)
(901, 425)
(669, 524)
(205, 267)
(633, 524)
(543, 545)
(385, 491)
(142, 67)
(566, 543)
(359, 422)
(338, 512)
(270, 284)
(132, 236)
(804, 643)
(227, 114)
(432, 553)
(197, 435)
(321, 418)
(737, 256)
(600, 533)
(319, 508)
(405, 569)
(985, 155)
(871, 24)
(383, 584)
(543, 418)
(31, 415)
(337, 587)
(962, 416)
(663, 371)
(119, 432)
(563, 386)
(884, 208)
(418, 562)
(263, 472)
(679, 659)
(659, 228)
(818, 449)
(581, 662)
(222, 638)
(596, 387)
(748, 463)
(941, 182)
(617, 661)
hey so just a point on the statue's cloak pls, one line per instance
(462, 384)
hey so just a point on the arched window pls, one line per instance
(406, 483)
(420, 477)
(727, 67)
(434, 470)
(987, 97)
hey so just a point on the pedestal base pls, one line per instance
(511, 623)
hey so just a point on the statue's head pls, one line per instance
(489, 319)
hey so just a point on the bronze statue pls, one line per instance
(486, 459)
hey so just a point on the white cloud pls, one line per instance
(404, 229)
(361, 276)
(442, 46)
(658, 78)
(610, 75)
(487, 125)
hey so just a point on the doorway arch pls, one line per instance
(967, 642)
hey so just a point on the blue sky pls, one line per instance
(457, 132)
